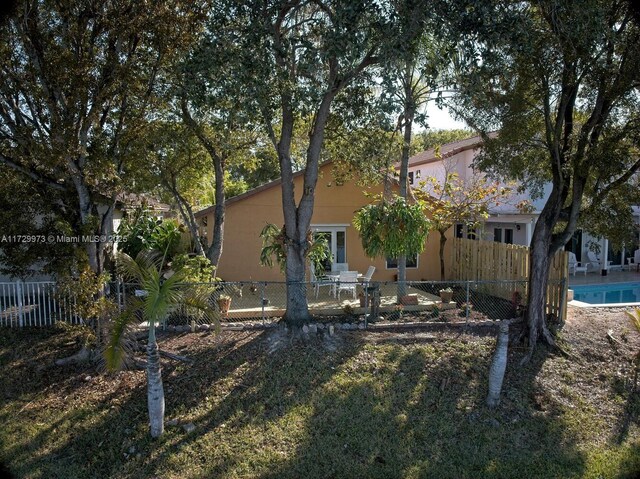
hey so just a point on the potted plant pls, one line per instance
(224, 303)
(446, 295)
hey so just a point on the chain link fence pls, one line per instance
(263, 303)
(446, 301)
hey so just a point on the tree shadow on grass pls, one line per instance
(351, 406)
(108, 435)
(53, 423)
(255, 398)
(418, 411)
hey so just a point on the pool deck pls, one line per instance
(597, 278)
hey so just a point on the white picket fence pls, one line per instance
(34, 304)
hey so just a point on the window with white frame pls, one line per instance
(412, 262)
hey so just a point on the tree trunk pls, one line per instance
(402, 277)
(298, 218)
(498, 365)
(540, 256)
(86, 209)
(297, 308)
(189, 218)
(155, 391)
(443, 240)
(408, 114)
(215, 249)
(539, 264)
(88, 216)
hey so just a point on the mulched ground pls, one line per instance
(586, 336)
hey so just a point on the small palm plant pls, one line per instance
(161, 297)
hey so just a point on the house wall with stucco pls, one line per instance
(335, 205)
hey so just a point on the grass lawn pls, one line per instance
(360, 405)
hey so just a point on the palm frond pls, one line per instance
(118, 350)
(137, 269)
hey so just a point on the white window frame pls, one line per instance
(333, 229)
(386, 264)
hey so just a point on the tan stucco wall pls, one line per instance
(334, 205)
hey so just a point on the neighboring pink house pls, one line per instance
(505, 224)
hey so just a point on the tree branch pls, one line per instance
(31, 173)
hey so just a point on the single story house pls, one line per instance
(334, 208)
(506, 224)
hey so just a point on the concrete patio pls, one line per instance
(249, 305)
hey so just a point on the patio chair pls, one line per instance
(337, 267)
(635, 261)
(318, 282)
(347, 281)
(594, 260)
(576, 266)
(367, 277)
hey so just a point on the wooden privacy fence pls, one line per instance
(508, 266)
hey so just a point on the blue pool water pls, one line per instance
(607, 293)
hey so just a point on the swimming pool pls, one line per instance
(612, 293)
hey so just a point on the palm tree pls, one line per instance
(161, 297)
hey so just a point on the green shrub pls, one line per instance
(196, 269)
(143, 232)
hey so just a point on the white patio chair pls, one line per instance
(318, 282)
(594, 260)
(635, 261)
(367, 277)
(576, 266)
(347, 281)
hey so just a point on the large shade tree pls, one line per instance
(295, 58)
(559, 78)
(76, 81)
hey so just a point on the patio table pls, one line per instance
(335, 276)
